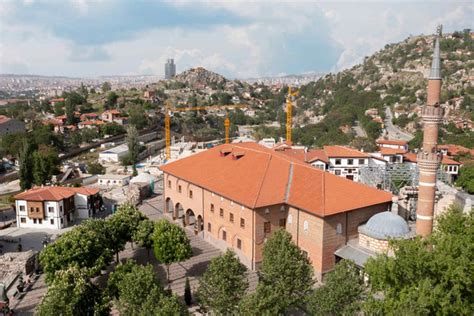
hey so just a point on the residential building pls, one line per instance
(236, 195)
(113, 154)
(170, 69)
(392, 144)
(448, 165)
(10, 126)
(55, 207)
(113, 116)
(113, 180)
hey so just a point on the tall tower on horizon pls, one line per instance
(170, 69)
(428, 158)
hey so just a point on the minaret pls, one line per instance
(428, 158)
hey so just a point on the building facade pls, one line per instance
(236, 195)
(55, 207)
(10, 126)
(170, 69)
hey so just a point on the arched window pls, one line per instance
(305, 226)
(339, 228)
(290, 219)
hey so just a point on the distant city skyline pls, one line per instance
(237, 39)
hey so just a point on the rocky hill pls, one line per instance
(395, 77)
(200, 78)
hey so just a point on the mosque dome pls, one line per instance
(385, 225)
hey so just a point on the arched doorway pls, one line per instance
(199, 224)
(189, 217)
(169, 205)
(178, 211)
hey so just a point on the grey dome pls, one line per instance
(385, 225)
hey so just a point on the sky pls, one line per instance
(239, 39)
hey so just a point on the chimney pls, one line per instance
(428, 158)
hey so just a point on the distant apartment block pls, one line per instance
(170, 69)
(10, 126)
(55, 207)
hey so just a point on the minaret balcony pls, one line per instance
(432, 114)
(428, 161)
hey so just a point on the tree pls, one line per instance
(86, 246)
(426, 276)
(170, 244)
(159, 304)
(69, 107)
(223, 284)
(341, 293)
(364, 143)
(122, 225)
(286, 276)
(113, 282)
(188, 296)
(95, 168)
(72, 293)
(26, 166)
(45, 165)
(133, 146)
(111, 101)
(466, 178)
(143, 235)
(106, 87)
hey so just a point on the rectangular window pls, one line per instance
(282, 222)
(32, 209)
(169, 183)
(242, 222)
(338, 161)
(361, 161)
(40, 221)
(350, 161)
(61, 208)
(224, 235)
(239, 243)
(337, 172)
(51, 221)
(305, 253)
(50, 209)
(22, 208)
(209, 227)
(231, 217)
(23, 220)
(190, 194)
(62, 220)
(37, 210)
(34, 220)
(267, 227)
(179, 188)
(212, 207)
(221, 212)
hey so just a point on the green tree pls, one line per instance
(70, 108)
(429, 276)
(95, 168)
(26, 166)
(45, 165)
(86, 246)
(158, 304)
(122, 225)
(117, 276)
(364, 143)
(111, 101)
(286, 277)
(466, 178)
(106, 87)
(223, 284)
(143, 235)
(133, 146)
(170, 244)
(72, 293)
(341, 293)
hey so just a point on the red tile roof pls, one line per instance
(303, 155)
(391, 151)
(53, 193)
(411, 157)
(344, 152)
(4, 119)
(455, 149)
(264, 177)
(391, 142)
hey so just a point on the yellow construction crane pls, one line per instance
(169, 110)
(289, 114)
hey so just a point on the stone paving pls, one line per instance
(203, 252)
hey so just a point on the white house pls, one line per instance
(113, 180)
(113, 154)
(55, 207)
(393, 144)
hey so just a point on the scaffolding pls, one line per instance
(393, 177)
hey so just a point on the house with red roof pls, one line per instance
(113, 116)
(55, 207)
(236, 195)
(448, 165)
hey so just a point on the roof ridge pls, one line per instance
(263, 179)
(288, 184)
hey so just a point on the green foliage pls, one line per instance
(364, 143)
(466, 178)
(341, 293)
(106, 87)
(431, 276)
(143, 234)
(111, 101)
(73, 294)
(137, 117)
(158, 304)
(45, 165)
(223, 285)
(26, 166)
(86, 246)
(116, 277)
(286, 277)
(170, 244)
(95, 168)
(133, 143)
(69, 109)
(112, 129)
